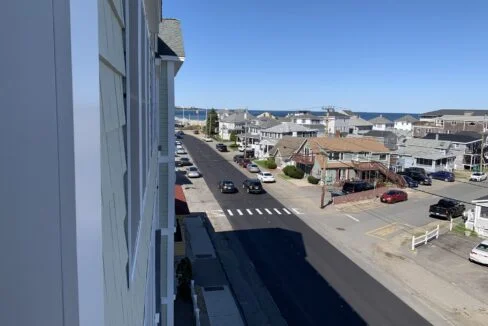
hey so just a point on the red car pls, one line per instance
(393, 196)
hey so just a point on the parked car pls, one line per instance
(227, 186)
(266, 177)
(478, 176)
(238, 157)
(184, 161)
(180, 151)
(443, 175)
(410, 182)
(221, 147)
(244, 162)
(249, 153)
(208, 139)
(393, 196)
(447, 208)
(479, 254)
(420, 178)
(252, 186)
(192, 172)
(416, 169)
(177, 143)
(251, 167)
(356, 186)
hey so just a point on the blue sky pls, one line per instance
(375, 55)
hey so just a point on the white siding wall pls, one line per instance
(403, 125)
(128, 282)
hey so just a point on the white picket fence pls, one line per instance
(194, 298)
(423, 239)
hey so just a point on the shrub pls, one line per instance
(293, 172)
(233, 145)
(313, 180)
(270, 164)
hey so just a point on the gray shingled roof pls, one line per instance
(286, 127)
(456, 138)
(264, 123)
(430, 144)
(438, 113)
(407, 118)
(170, 38)
(380, 120)
(238, 117)
(287, 146)
(379, 133)
(359, 122)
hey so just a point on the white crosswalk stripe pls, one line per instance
(248, 211)
(268, 211)
(230, 212)
(287, 211)
(239, 211)
(296, 211)
(259, 212)
(277, 211)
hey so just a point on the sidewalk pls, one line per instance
(219, 307)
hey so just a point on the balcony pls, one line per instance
(304, 159)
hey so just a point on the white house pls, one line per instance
(381, 123)
(87, 213)
(336, 121)
(405, 123)
(234, 122)
(431, 154)
(477, 218)
(359, 126)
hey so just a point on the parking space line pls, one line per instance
(230, 212)
(239, 211)
(296, 211)
(259, 212)
(352, 217)
(268, 211)
(249, 211)
(277, 211)
(287, 211)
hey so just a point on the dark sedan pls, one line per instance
(419, 177)
(252, 186)
(227, 186)
(443, 175)
(410, 182)
(184, 161)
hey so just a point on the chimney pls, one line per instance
(436, 136)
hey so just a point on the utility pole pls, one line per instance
(206, 122)
(245, 136)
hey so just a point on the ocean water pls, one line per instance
(200, 114)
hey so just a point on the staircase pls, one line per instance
(390, 175)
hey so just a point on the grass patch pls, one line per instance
(460, 229)
(284, 176)
(261, 163)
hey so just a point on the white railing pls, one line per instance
(423, 239)
(194, 299)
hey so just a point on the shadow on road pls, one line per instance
(302, 295)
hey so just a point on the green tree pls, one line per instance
(233, 137)
(212, 123)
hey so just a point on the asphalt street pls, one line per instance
(311, 282)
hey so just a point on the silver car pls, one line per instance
(251, 167)
(192, 172)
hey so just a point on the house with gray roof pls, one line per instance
(386, 137)
(431, 154)
(405, 123)
(285, 148)
(234, 122)
(288, 129)
(381, 123)
(359, 126)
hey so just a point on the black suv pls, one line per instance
(419, 177)
(416, 170)
(356, 186)
(221, 147)
(252, 186)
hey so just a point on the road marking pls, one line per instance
(230, 212)
(277, 211)
(297, 212)
(287, 211)
(268, 211)
(249, 211)
(352, 217)
(259, 212)
(239, 211)
(217, 212)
